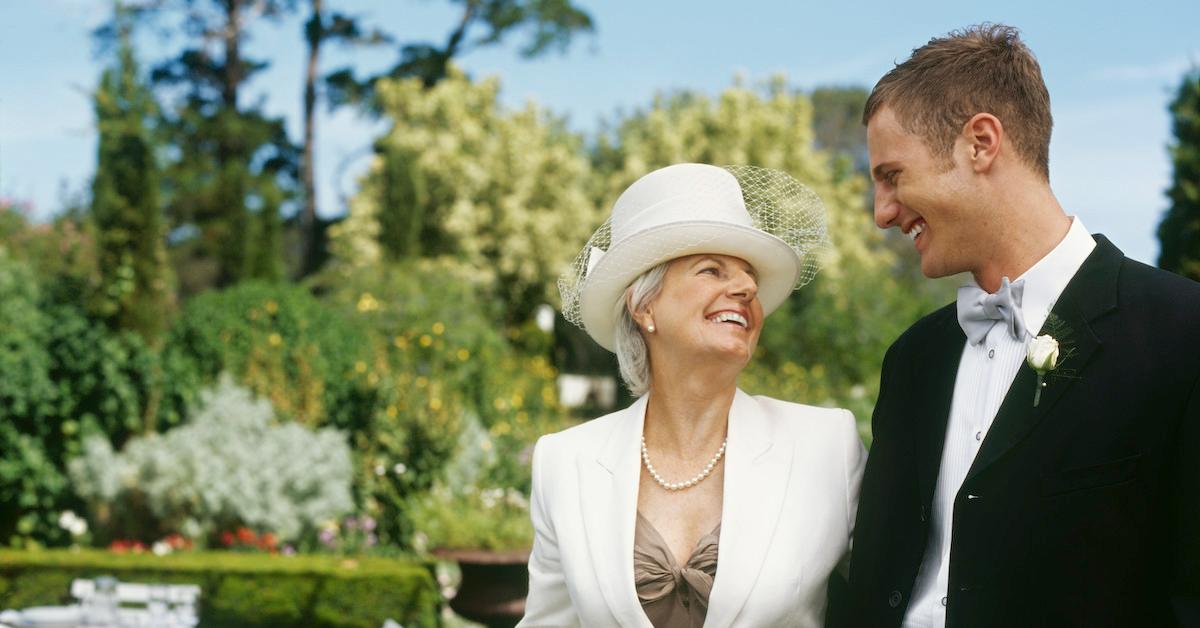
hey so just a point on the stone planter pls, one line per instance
(494, 585)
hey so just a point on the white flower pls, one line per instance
(161, 548)
(72, 523)
(1042, 354)
(400, 468)
(67, 520)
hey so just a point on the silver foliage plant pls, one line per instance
(230, 464)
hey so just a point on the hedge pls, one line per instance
(242, 589)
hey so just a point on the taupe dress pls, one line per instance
(673, 596)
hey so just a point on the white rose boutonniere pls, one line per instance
(1042, 357)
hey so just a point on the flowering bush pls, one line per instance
(441, 363)
(494, 518)
(351, 535)
(247, 540)
(277, 340)
(167, 545)
(230, 466)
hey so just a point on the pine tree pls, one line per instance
(1179, 231)
(136, 287)
(228, 162)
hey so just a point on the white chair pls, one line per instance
(137, 604)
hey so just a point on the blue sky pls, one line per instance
(1111, 71)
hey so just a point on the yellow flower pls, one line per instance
(392, 412)
(271, 307)
(275, 340)
(426, 340)
(501, 428)
(435, 404)
(422, 382)
(360, 367)
(400, 341)
(517, 400)
(367, 303)
(463, 355)
(438, 328)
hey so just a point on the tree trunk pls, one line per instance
(230, 157)
(315, 33)
(232, 72)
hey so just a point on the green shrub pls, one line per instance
(244, 590)
(106, 382)
(276, 339)
(32, 487)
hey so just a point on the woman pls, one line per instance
(698, 505)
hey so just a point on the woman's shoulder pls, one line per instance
(805, 419)
(589, 434)
(801, 411)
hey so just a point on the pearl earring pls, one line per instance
(650, 328)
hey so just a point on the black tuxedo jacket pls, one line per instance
(1083, 511)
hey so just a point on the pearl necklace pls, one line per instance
(677, 486)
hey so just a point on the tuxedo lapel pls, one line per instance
(1091, 293)
(757, 471)
(933, 374)
(609, 483)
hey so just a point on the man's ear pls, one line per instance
(983, 134)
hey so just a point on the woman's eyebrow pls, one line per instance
(708, 258)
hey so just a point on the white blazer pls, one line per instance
(791, 491)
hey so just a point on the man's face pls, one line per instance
(926, 197)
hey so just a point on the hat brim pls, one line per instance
(778, 267)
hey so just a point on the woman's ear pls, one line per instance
(644, 318)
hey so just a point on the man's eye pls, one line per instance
(710, 269)
(890, 177)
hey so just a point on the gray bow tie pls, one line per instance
(978, 311)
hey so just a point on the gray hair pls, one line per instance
(632, 354)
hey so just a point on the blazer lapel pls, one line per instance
(756, 481)
(934, 372)
(609, 483)
(1091, 293)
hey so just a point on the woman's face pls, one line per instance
(708, 307)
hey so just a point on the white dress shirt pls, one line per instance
(985, 373)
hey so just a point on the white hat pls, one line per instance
(762, 216)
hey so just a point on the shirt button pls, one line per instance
(991, 353)
(979, 435)
(894, 599)
(943, 601)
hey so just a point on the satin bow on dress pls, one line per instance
(673, 596)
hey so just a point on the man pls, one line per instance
(995, 495)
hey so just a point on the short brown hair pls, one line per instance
(983, 68)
